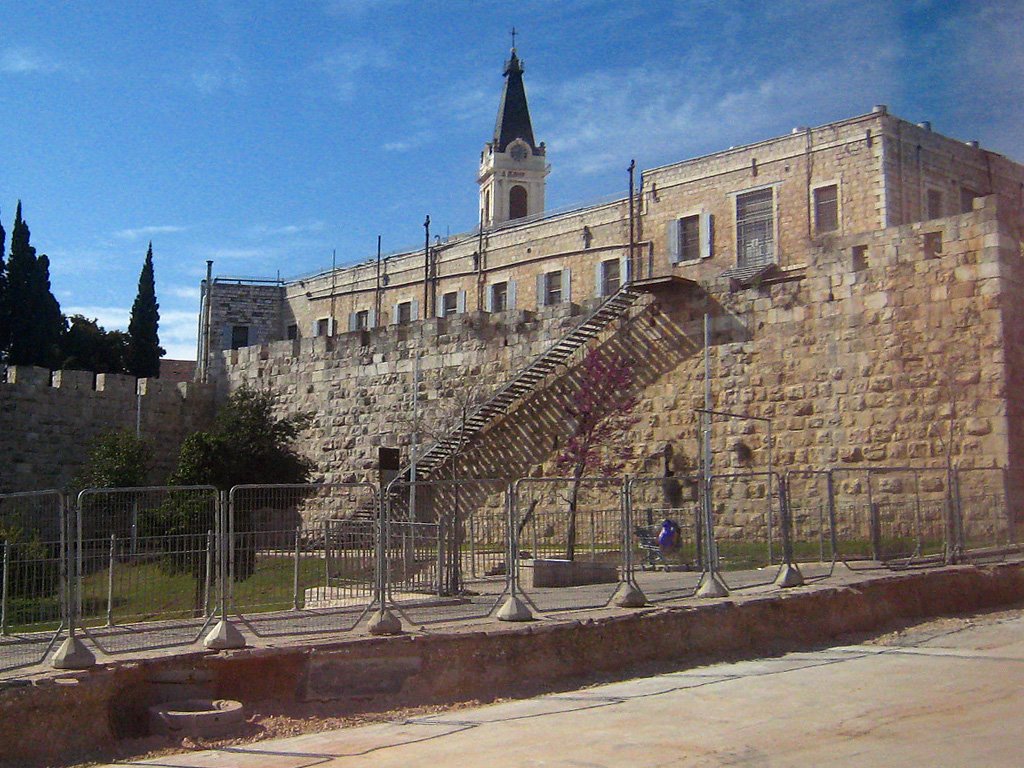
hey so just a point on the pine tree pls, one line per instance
(144, 348)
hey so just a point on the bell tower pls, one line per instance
(513, 167)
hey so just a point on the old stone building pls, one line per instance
(862, 280)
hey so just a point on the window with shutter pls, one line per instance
(610, 277)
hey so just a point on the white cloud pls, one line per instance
(348, 68)
(355, 7)
(223, 72)
(137, 233)
(23, 61)
(263, 230)
(185, 292)
(178, 329)
(239, 254)
(661, 111)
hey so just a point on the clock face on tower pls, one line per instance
(518, 152)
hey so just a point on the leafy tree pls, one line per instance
(144, 348)
(116, 460)
(601, 408)
(247, 444)
(35, 323)
(86, 346)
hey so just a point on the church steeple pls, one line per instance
(513, 113)
(513, 166)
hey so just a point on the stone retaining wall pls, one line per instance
(78, 716)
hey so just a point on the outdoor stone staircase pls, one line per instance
(525, 381)
(520, 386)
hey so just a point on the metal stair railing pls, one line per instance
(525, 381)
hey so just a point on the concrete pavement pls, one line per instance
(947, 693)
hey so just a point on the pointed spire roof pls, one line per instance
(513, 113)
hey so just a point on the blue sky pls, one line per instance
(263, 135)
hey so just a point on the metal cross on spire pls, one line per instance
(513, 38)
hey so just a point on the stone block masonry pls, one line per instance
(48, 421)
(886, 348)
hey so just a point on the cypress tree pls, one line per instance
(21, 270)
(35, 323)
(49, 322)
(144, 348)
(4, 332)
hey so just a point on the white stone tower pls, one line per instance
(513, 167)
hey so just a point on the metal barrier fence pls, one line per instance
(301, 558)
(146, 568)
(144, 555)
(654, 503)
(33, 594)
(570, 541)
(446, 539)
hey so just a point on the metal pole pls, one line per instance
(414, 440)
(295, 573)
(327, 560)
(110, 580)
(74, 570)
(207, 318)
(771, 498)
(225, 543)
(513, 541)
(833, 534)
(376, 294)
(211, 542)
(632, 227)
(709, 553)
(334, 292)
(3, 594)
(426, 267)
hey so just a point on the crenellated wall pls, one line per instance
(47, 421)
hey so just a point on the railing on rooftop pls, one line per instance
(447, 240)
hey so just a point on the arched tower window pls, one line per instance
(517, 202)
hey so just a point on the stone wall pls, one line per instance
(888, 348)
(47, 422)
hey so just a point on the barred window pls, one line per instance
(755, 228)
